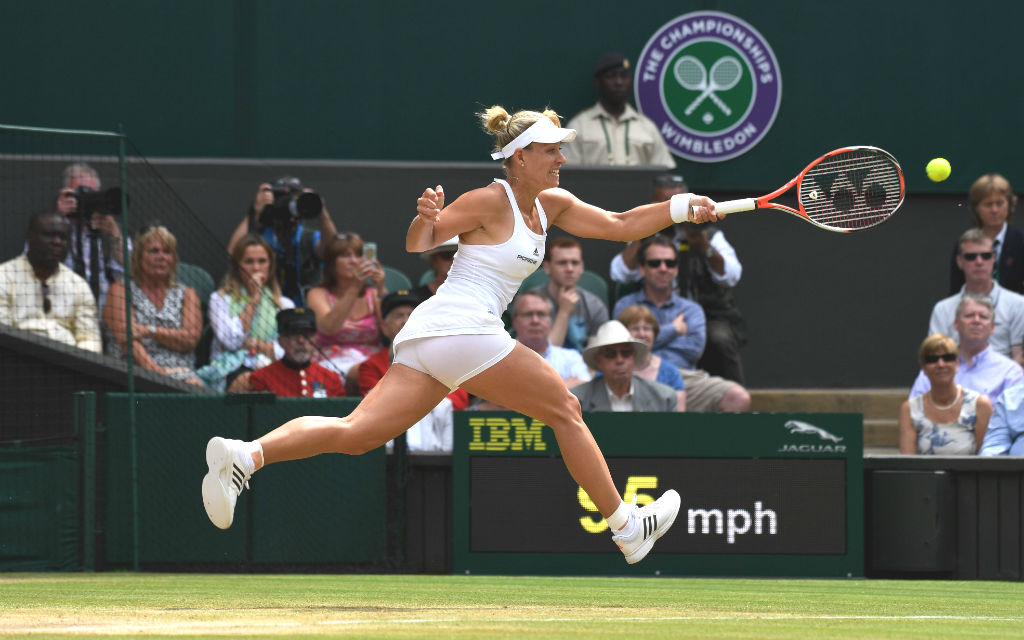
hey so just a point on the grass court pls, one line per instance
(120, 605)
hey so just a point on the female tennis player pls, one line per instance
(456, 338)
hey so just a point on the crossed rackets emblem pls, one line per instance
(692, 75)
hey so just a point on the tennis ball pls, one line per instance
(938, 169)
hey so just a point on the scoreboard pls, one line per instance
(762, 494)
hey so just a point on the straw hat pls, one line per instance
(447, 245)
(609, 333)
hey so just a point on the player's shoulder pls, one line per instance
(556, 198)
(490, 196)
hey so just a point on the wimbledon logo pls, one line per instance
(711, 83)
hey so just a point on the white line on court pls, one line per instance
(752, 616)
(234, 627)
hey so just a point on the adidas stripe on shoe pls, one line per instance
(652, 521)
(225, 479)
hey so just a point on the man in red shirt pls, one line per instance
(296, 375)
(434, 431)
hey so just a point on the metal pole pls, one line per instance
(85, 424)
(129, 352)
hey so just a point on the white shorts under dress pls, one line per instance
(458, 333)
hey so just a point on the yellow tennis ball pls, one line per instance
(938, 169)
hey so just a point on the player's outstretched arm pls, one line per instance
(579, 218)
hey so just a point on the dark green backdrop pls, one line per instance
(400, 80)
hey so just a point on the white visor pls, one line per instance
(541, 131)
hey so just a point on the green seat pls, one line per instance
(196, 277)
(625, 288)
(428, 276)
(589, 280)
(596, 285)
(395, 280)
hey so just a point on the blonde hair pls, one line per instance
(937, 344)
(985, 186)
(505, 128)
(139, 245)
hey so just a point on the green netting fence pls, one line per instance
(95, 469)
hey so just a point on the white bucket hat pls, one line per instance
(609, 333)
(447, 245)
(544, 130)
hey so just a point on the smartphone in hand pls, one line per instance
(370, 250)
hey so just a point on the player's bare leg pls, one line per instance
(540, 393)
(402, 397)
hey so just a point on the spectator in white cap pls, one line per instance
(613, 352)
(440, 259)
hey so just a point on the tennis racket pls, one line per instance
(848, 189)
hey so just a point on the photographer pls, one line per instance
(283, 213)
(96, 251)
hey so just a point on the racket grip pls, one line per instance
(730, 206)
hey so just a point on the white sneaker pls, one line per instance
(225, 480)
(652, 521)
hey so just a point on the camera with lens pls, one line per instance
(91, 201)
(291, 202)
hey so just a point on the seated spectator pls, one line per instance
(980, 367)
(295, 375)
(613, 352)
(531, 320)
(167, 319)
(347, 310)
(708, 271)
(41, 295)
(296, 223)
(948, 419)
(243, 314)
(680, 338)
(440, 258)
(1005, 435)
(576, 313)
(976, 260)
(434, 431)
(643, 326)
(992, 204)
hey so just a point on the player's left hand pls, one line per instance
(429, 204)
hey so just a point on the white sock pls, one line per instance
(250, 448)
(622, 517)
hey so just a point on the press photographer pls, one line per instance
(97, 252)
(296, 223)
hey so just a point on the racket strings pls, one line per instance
(854, 189)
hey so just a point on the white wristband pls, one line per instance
(679, 207)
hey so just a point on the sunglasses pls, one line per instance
(655, 263)
(611, 352)
(47, 305)
(932, 358)
(448, 255)
(984, 255)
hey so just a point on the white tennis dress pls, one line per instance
(481, 283)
